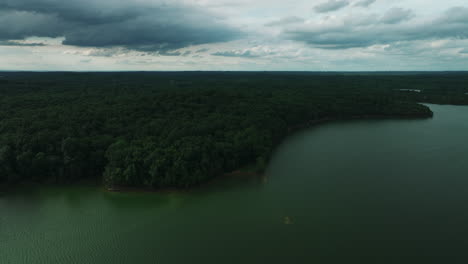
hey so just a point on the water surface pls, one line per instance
(388, 191)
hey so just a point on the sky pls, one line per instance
(229, 35)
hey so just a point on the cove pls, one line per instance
(369, 191)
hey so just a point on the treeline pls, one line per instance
(162, 130)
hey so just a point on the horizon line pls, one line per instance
(228, 71)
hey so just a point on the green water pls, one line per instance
(393, 191)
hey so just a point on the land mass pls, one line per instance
(176, 130)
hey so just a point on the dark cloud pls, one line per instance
(112, 23)
(14, 43)
(452, 24)
(79, 11)
(331, 5)
(21, 24)
(396, 15)
(285, 21)
(152, 33)
(364, 3)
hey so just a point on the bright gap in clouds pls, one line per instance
(322, 35)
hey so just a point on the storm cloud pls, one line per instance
(146, 26)
(21, 24)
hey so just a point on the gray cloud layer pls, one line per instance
(397, 15)
(331, 5)
(239, 54)
(148, 27)
(364, 32)
(285, 21)
(364, 3)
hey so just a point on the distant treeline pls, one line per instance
(162, 130)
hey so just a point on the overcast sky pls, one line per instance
(312, 35)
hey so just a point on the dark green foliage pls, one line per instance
(180, 129)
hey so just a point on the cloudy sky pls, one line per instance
(305, 35)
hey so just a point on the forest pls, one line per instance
(179, 129)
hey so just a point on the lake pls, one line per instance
(373, 191)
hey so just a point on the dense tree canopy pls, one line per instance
(180, 129)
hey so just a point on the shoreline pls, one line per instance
(312, 123)
(236, 173)
(248, 171)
